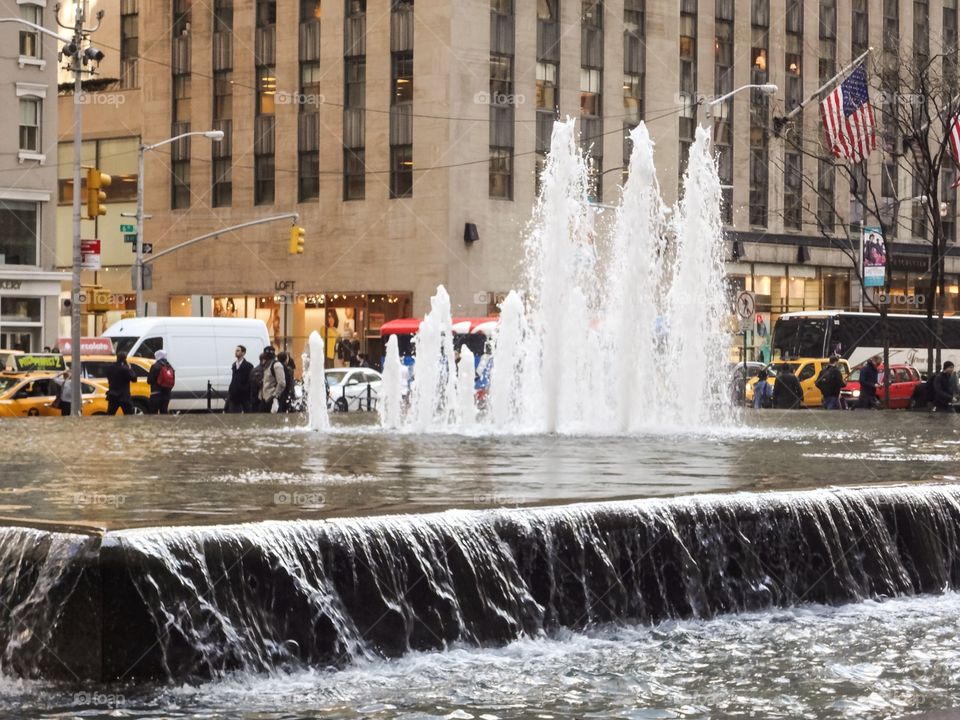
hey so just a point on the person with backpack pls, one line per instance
(869, 379)
(274, 381)
(285, 401)
(161, 380)
(256, 382)
(787, 392)
(830, 383)
(762, 391)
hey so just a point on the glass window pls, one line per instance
(18, 232)
(546, 86)
(30, 39)
(353, 174)
(267, 90)
(149, 347)
(806, 372)
(30, 124)
(401, 171)
(402, 77)
(20, 309)
(118, 158)
(501, 76)
(501, 173)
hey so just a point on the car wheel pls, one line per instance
(33, 412)
(340, 405)
(139, 407)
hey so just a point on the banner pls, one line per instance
(874, 257)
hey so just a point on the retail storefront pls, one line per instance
(787, 288)
(291, 315)
(29, 309)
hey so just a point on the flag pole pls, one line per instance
(781, 121)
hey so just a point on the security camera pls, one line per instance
(92, 53)
(70, 49)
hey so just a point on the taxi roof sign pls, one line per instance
(31, 362)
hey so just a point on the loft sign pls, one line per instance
(11, 284)
(284, 285)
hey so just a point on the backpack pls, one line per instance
(166, 378)
(288, 376)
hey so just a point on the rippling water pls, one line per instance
(167, 470)
(871, 660)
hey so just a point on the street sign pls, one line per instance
(147, 248)
(130, 238)
(128, 228)
(746, 306)
(90, 254)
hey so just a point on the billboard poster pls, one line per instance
(874, 257)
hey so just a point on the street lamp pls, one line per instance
(765, 88)
(215, 136)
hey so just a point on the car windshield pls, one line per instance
(335, 377)
(776, 368)
(7, 382)
(854, 376)
(123, 344)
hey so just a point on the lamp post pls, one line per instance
(216, 136)
(80, 58)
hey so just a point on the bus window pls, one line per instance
(785, 336)
(812, 338)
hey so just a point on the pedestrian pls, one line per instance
(285, 401)
(830, 383)
(65, 393)
(364, 360)
(161, 380)
(869, 377)
(274, 381)
(256, 382)
(943, 395)
(762, 391)
(119, 376)
(238, 394)
(787, 393)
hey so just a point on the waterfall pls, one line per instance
(195, 602)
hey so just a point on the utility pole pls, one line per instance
(79, 58)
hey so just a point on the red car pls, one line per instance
(903, 382)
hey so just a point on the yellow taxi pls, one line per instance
(32, 394)
(807, 371)
(94, 368)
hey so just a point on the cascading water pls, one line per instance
(192, 602)
(316, 388)
(625, 333)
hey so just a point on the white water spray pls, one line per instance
(392, 387)
(315, 387)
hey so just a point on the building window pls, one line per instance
(19, 232)
(547, 76)
(129, 43)
(180, 48)
(793, 190)
(30, 110)
(501, 99)
(266, 91)
(30, 45)
(401, 125)
(759, 114)
(222, 195)
(222, 152)
(353, 174)
(723, 112)
(401, 171)
(591, 84)
(263, 179)
(354, 99)
(860, 30)
(308, 175)
(688, 81)
(501, 173)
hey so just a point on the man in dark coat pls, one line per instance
(943, 387)
(787, 393)
(830, 383)
(238, 395)
(119, 377)
(869, 377)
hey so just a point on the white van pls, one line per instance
(199, 348)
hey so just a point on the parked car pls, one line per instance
(807, 371)
(738, 378)
(199, 348)
(94, 367)
(903, 382)
(348, 388)
(32, 394)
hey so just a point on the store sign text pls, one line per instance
(10, 284)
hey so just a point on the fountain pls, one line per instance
(608, 335)
(315, 385)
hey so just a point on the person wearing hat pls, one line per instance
(943, 395)
(161, 380)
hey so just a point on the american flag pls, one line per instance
(954, 133)
(848, 118)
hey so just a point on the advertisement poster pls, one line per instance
(874, 257)
(90, 254)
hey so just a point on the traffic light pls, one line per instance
(297, 234)
(96, 181)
